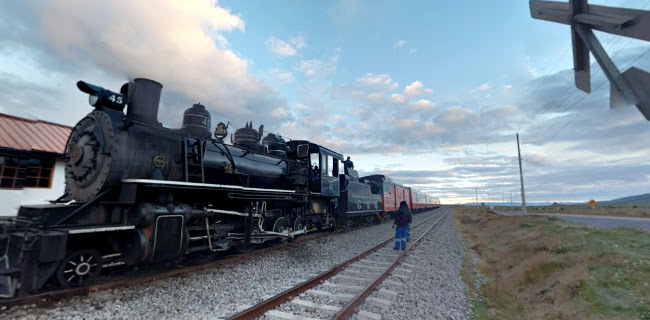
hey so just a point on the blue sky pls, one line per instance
(428, 92)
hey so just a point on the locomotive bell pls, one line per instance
(197, 121)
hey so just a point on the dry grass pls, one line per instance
(617, 210)
(543, 268)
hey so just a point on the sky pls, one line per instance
(430, 93)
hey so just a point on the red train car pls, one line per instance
(394, 193)
(391, 192)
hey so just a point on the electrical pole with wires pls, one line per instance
(521, 179)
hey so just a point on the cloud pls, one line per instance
(298, 42)
(413, 89)
(281, 76)
(423, 104)
(373, 79)
(181, 44)
(320, 67)
(399, 43)
(397, 98)
(280, 112)
(413, 50)
(507, 87)
(481, 88)
(280, 47)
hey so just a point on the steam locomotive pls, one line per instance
(138, 193)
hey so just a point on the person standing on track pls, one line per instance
(403, 217)
(405, 207)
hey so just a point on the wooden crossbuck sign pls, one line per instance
(630, 87)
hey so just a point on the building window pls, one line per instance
(18, 172)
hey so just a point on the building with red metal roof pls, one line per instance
(31, 161)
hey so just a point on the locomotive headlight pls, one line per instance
(93, 99)
(100, 97)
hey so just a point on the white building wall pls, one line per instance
(11, 200)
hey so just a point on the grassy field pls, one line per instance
(621, 210)
(537, 267)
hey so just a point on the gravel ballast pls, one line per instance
(219, 293)
(434, 290)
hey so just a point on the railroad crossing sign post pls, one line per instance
(631, 86)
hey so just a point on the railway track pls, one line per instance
(147, 276)
(348, 289)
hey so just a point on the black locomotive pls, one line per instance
(139, 193)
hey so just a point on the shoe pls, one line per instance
(395, 248)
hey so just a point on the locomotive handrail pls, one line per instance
(205, 185)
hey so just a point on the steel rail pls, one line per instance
(45, 298)
(287, 295)
(351, 307)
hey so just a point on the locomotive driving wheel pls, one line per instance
(79, 268)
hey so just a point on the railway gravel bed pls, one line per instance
(218, 293)
(434, 290)
(411, 291)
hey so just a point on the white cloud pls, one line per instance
(428, 92)
(481, 88)
(423, 104)
(298, 42)
(320, 67)
(172, 42)
(399, 43)
(280, 47)
(455, 115)
(281, 76)
(375, 79)
(507, 87)
(413, 50)
(280, 112)
(413, 89)
(398, 98)
(394, 87)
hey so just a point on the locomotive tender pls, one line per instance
(139, 193)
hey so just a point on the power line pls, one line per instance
(574, 104)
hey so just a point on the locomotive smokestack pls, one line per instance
(143, 101)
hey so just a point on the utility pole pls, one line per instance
(511, 206)
(521, 179)
(476, 193)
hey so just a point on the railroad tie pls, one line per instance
(365, 315)
(357, 279)
(279, 315)
(379, 302)
(403, 277)
(342, 287)
(378, 262)
(392, 283)
(335, 296)
(387, 294)
(313, 306)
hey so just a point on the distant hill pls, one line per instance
(642, 198)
